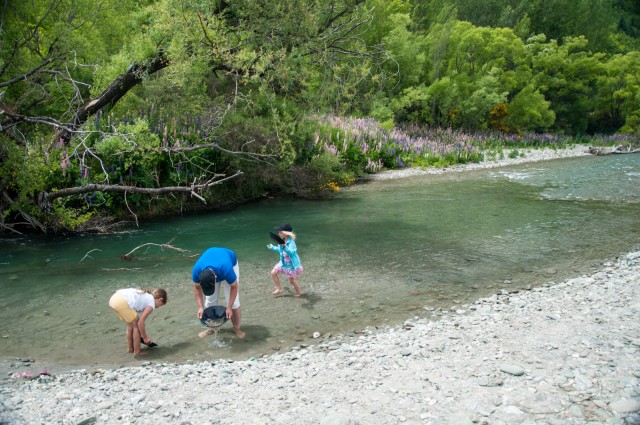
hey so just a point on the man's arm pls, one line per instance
(197, 291)
(233, 293)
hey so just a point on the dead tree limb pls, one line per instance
(45, 198)
(109, 96)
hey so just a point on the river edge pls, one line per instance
(524, 156)
(563, 353)
(393, 375)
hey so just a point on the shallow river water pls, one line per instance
(378, 253)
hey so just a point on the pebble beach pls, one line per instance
(566, 352)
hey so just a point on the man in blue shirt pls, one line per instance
(215, 269)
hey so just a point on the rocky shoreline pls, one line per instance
(568, 353)
(565, 353)
(525, 155)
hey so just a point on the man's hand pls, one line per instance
(200, 311)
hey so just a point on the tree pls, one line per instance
(408, 52)
(565, 74)
(617, 95)
(48, 51)
(235, 60)
(530, 112)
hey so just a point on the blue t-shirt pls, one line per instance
(221, 260)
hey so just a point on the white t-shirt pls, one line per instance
(137, 298)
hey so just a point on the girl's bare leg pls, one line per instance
(276, 281)
(295, 286)
(129, 336)
(136, 338)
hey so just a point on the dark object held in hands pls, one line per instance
(151, 344)
(276, 238)
(214, 316)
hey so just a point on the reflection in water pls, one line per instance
(378, 254)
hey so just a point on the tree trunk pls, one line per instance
(118, 88)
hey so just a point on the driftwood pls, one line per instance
(608, 150)
(128, 256)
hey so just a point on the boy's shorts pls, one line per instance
(122, 309)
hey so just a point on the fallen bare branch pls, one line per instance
(129, 208)
(10, 228)
(87, 254)
(45, 198)
(127, 256)
(122, 269)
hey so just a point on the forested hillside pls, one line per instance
(117, 110)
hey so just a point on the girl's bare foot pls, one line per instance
(277, 291)
(240, 334)
(297, 294)
(141, 353)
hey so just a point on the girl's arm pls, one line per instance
(143, 333)
(290, 248)
(275, 248)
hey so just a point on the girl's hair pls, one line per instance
(289, 234)
(157, 293)
(160, 293)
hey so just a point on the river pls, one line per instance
(376, 254)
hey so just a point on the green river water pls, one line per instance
(377, 254)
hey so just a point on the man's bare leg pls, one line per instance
(236, 317)
(207, 331)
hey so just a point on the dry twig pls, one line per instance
(127, 256)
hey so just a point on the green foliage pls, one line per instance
(66, 217)
(28, 172)
(606, 24)
(515, 154)
(57, 45)
(618, 93)
(412, 106)
(529, 111)
(23, 171)
(408, 51)
(476, 108)
(262, 83)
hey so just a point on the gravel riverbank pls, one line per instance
(565, 353)
(528, 155)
